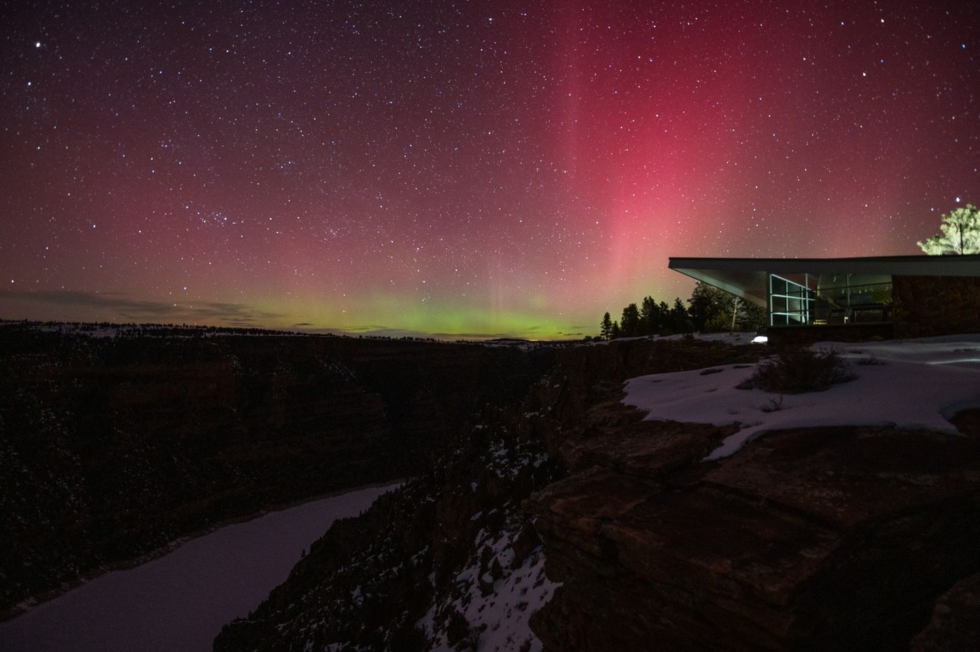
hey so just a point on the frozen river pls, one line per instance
(181, 600)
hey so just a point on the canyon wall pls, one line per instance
(453, 560)
(112, 448)
(543, 512)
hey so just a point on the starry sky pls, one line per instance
(462, 169)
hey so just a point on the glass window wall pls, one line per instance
(819, 299)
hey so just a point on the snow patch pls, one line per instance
(921, 384)
(500, 619)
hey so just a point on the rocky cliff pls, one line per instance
(112, 448)
(816, 539)
(810, 539)
(447, 561)
(955, 623)
(452, 561)
(544, 514)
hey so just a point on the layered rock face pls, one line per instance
(813, 539)
(818, 539)
(113, 448)
(955, 623)
(452, 561)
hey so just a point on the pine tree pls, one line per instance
(678, 317)
(649, 317)
(605, 328)
(663, 312)
(706, 302)
(614, 331)
(960, 233)
(629, 325)
(750, 317)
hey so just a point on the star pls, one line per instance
(533, 166)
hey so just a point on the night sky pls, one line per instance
(462, 169)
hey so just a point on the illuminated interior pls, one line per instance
(822, 299)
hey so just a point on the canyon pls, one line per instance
(114, 448)
(541, 513)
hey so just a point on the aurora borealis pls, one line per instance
(462, 169)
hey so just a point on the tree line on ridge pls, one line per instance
(710, 311)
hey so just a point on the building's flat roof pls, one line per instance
(747, 277)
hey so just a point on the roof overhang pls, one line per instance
(748, 277)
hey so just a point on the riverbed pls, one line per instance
(180, 601)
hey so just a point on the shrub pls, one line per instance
(774, 405)
(799, 371)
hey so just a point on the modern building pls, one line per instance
(851, 298)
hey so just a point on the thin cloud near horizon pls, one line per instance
(137, 309)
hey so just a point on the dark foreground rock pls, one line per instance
(955, 621)
(812, 539)
(113, 448)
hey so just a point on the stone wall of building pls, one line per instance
(794, 336)
(936, 305)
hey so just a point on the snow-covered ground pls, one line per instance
(499, 619)
(920, 384)
(496, 593)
